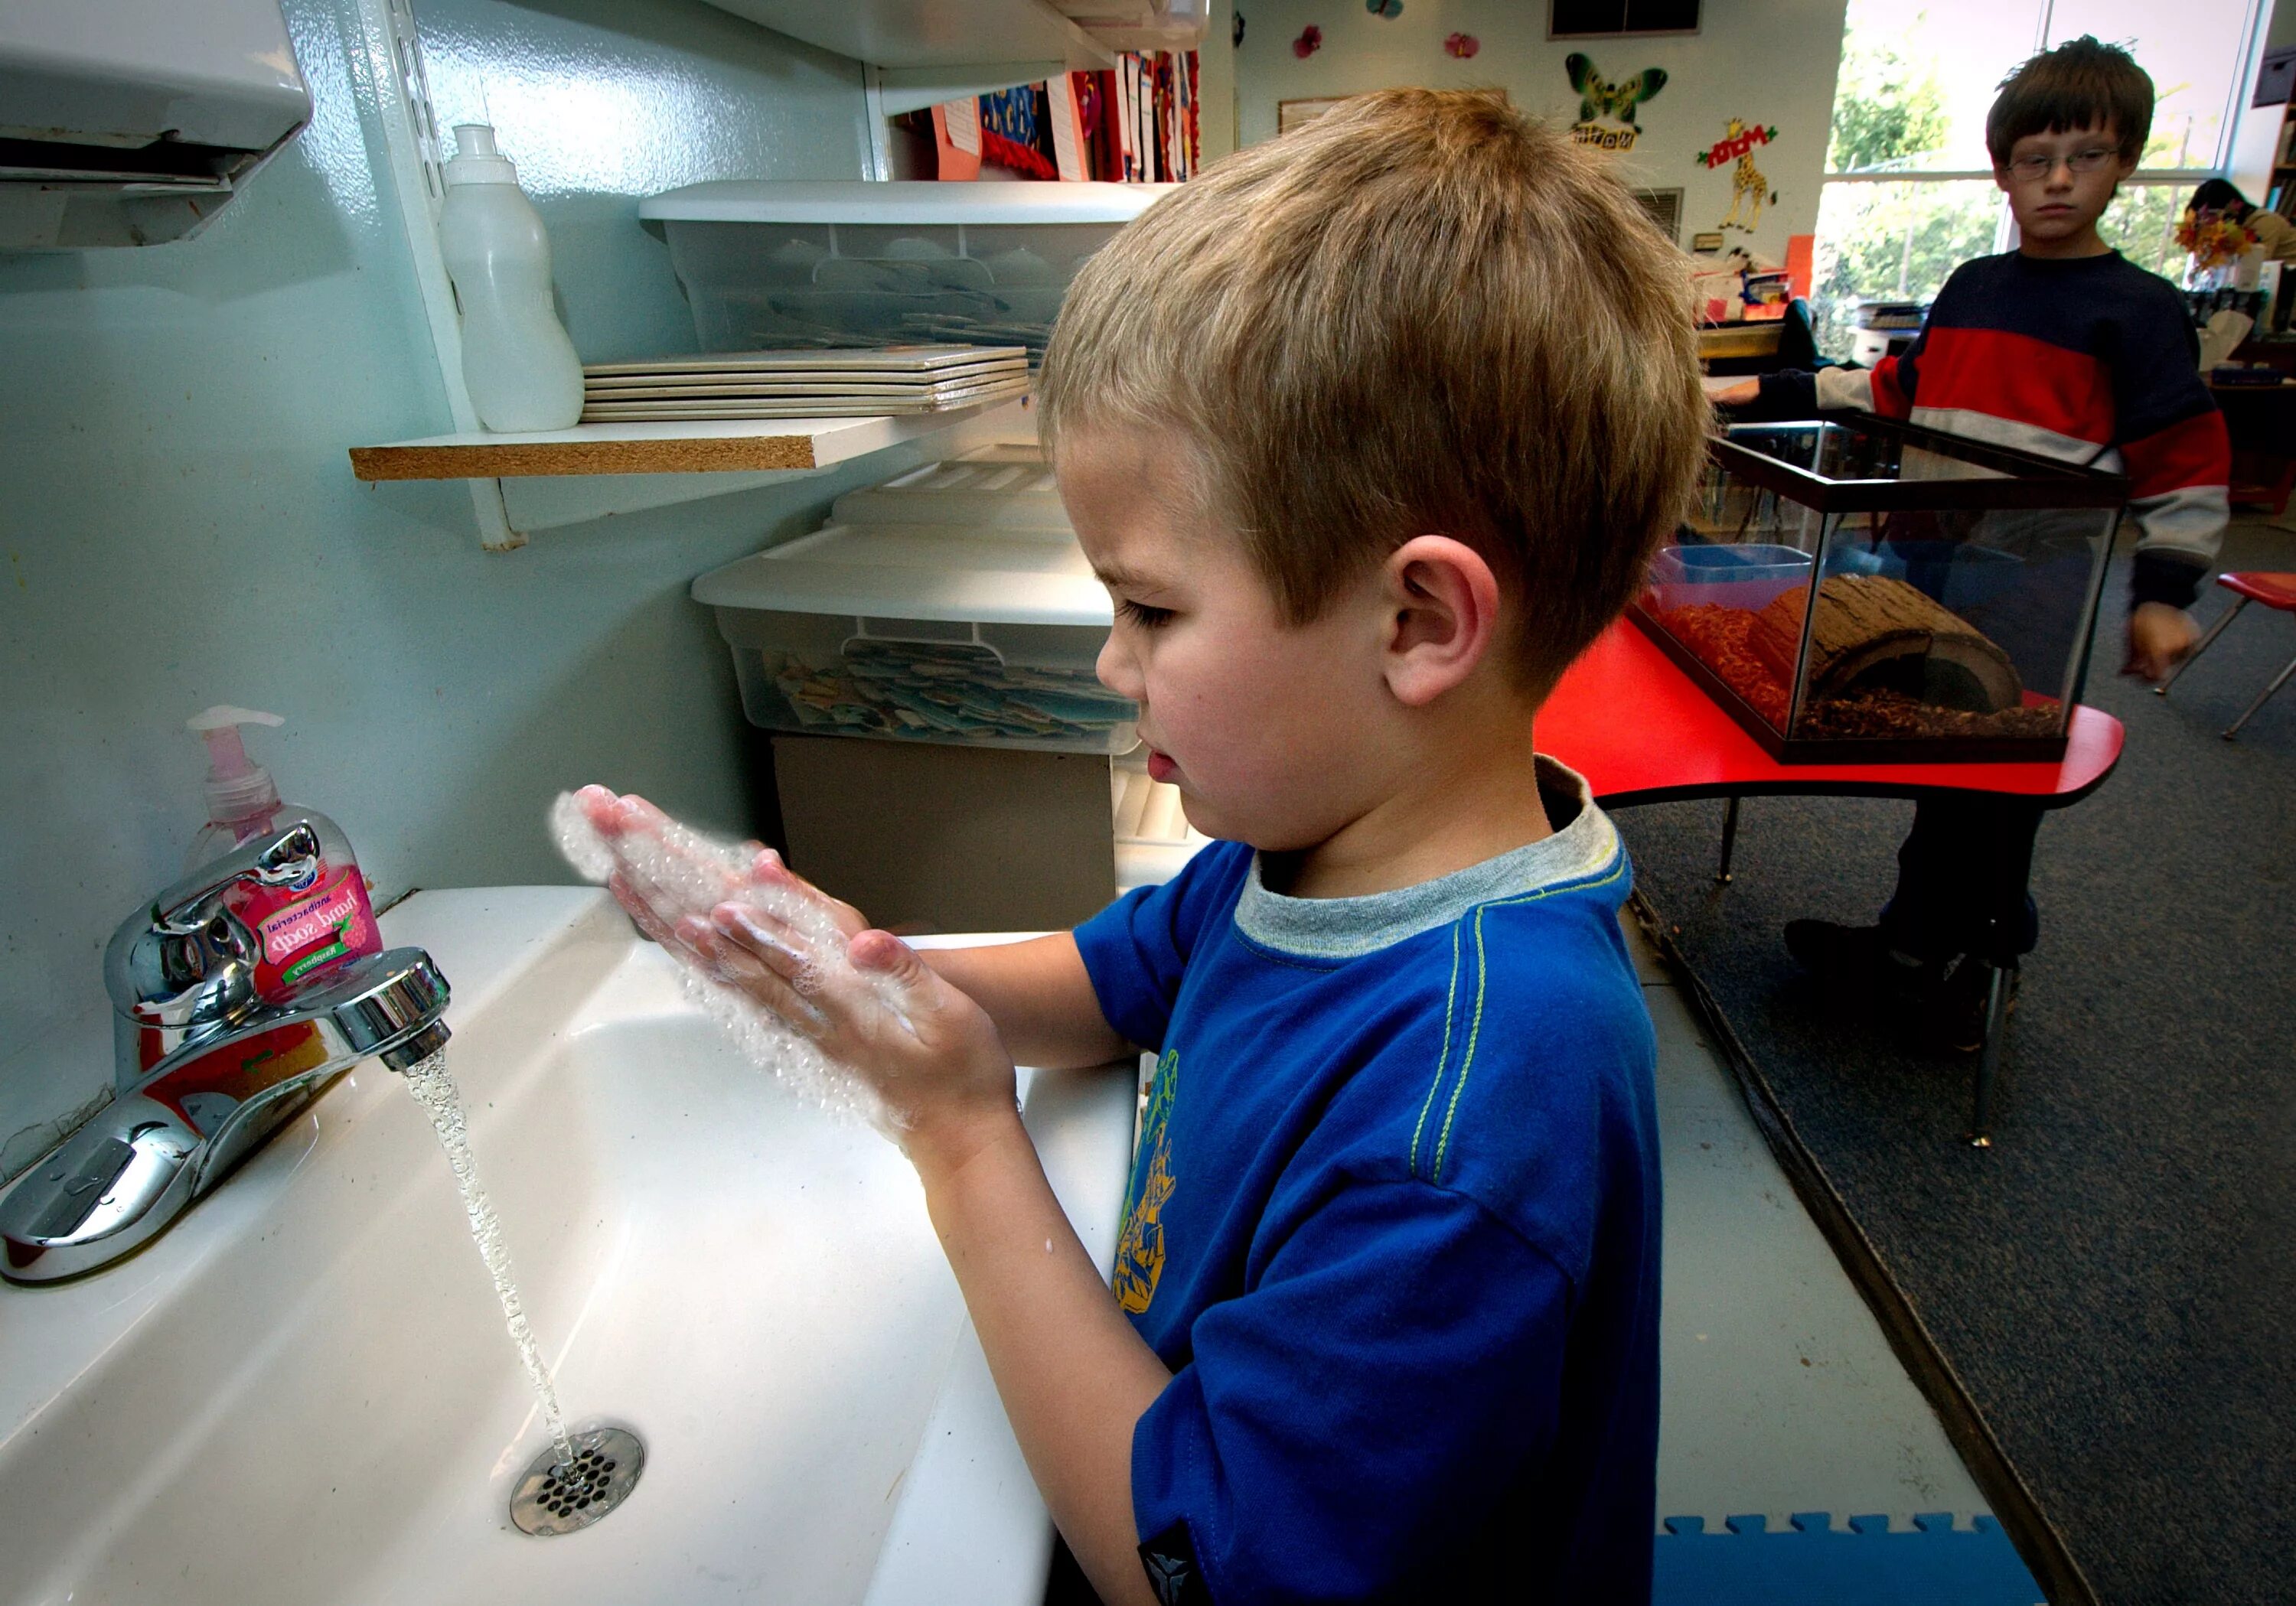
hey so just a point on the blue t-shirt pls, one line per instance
(1393, 1222)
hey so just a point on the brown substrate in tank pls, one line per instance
(1718, 637)
(1884, 714)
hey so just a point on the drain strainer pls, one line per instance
(558, 1497)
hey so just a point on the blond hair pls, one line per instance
(1422, 313)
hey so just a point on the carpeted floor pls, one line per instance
(2113, 1284)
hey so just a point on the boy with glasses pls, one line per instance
(2064, 348)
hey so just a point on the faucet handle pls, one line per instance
(184, 962)
(288, 859)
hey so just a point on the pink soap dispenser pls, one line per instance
(319, 920)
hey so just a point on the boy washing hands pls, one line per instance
(1369, 431)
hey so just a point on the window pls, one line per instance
(1909, 193)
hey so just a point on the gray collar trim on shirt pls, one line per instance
(1347, 927)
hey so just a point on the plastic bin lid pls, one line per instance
(996, 495)
(1750, 554)
(919, 571)
(899, 200)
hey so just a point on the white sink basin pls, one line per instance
(304, 1391)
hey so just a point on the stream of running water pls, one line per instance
(433, 1087)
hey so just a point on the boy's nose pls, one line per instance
(1116, 670)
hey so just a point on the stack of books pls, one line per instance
(804, 383)
(1139, 123)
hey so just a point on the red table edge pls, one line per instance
(1642, 731)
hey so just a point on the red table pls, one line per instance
(1641, 731)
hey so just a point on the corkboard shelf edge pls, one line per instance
(422, 460)
(701, 446)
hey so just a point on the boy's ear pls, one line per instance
(1443, 617)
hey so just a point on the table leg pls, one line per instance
(2278, 681)
(1730, 837)
(1989, 1058)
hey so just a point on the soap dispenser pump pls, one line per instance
(241, 797)
(317, 918)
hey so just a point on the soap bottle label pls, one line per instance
(313, 931)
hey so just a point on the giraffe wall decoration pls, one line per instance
(1749, 192)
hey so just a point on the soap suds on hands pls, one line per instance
(680, 873)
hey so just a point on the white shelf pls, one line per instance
(908, 200)
(926, 52)
(927, 34)
(553, 478)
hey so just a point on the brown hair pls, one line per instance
(2081, 83)
(1422, 313)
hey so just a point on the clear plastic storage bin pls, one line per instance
(1854, 589)
(923, 633)
(786, 263)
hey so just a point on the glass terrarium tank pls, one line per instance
(1854, 589)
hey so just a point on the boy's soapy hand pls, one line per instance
(929, 1053)
(2158, 638)
(862, 997)
(660, 872)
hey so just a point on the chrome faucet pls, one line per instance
(207, 1070)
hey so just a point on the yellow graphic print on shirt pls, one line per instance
(1140, 1247)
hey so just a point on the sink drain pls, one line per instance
(555, 1498)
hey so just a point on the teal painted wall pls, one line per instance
(181, 528)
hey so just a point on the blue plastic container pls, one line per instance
(1748, 575)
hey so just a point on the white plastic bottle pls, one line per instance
(516, 361)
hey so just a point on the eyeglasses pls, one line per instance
(2030, 169)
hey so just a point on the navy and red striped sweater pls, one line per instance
(2088, 359)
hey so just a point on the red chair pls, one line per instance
(2274, 591)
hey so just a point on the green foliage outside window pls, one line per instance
(2141, 225)
(1893, 241)
(1889, 240)
(1884, 111)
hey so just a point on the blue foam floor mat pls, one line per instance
(1811, 1565)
